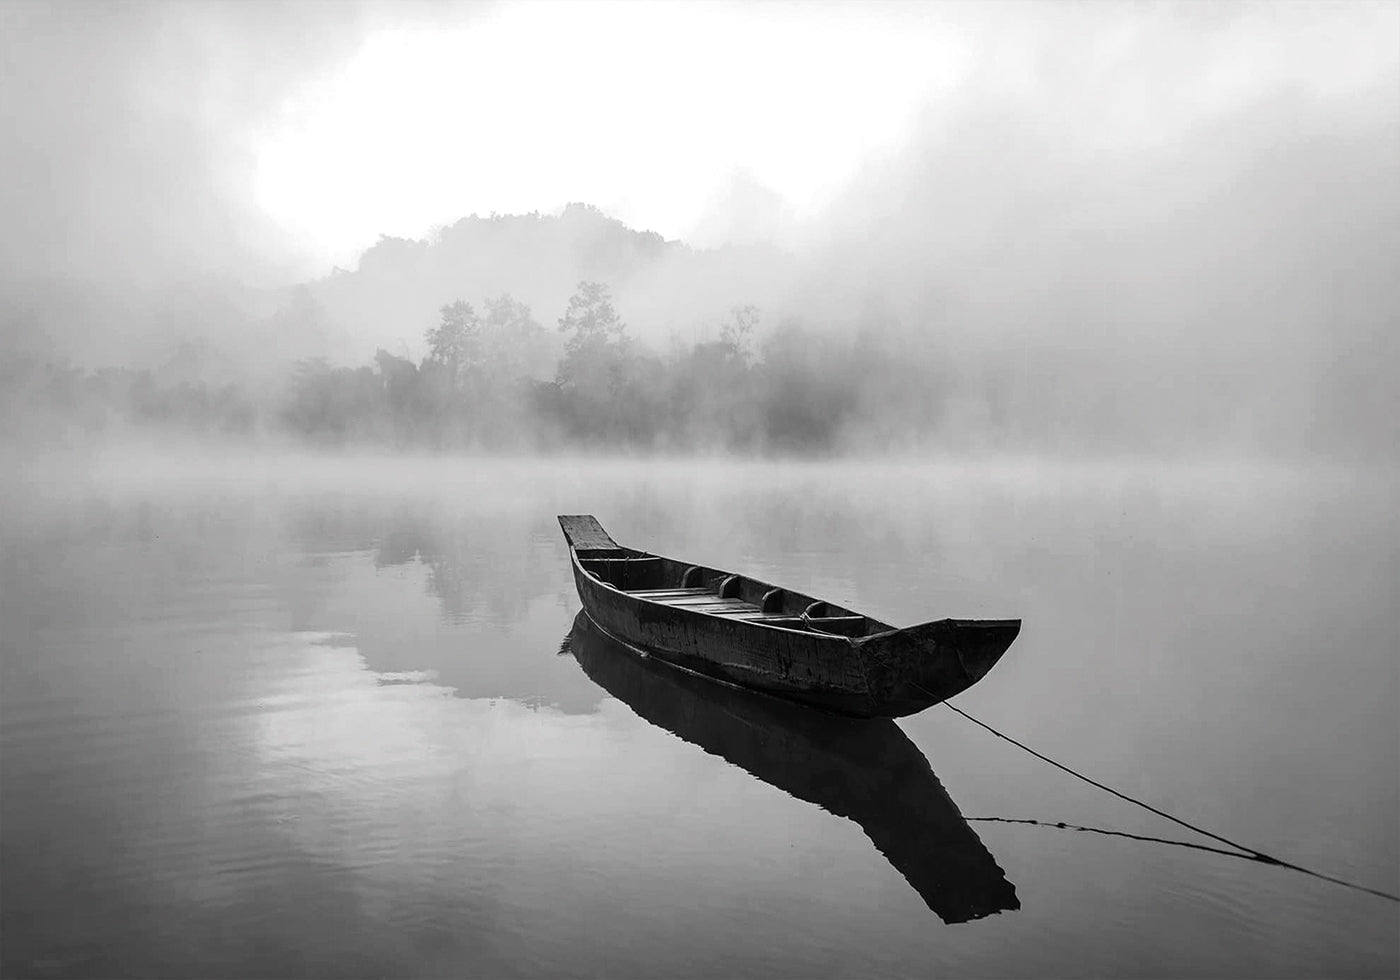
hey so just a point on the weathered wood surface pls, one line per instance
(585, 533)
(864, 770)
(755, 635)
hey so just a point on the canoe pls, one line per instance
(866, 770)
(738, 630)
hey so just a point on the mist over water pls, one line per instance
(314, 718)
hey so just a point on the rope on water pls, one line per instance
(1078, 828)
(1249, 852)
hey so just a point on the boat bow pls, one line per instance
(913, 668)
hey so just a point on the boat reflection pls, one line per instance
(867, 770)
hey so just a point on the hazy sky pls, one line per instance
(273, 140)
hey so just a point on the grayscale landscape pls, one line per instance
(313, 317)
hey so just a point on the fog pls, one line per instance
(1165, 230)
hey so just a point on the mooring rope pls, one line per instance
(1247, 851)
(1078, 828)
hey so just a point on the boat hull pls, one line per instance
(888, 673)
(817, 670)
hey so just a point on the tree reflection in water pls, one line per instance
(480, 563)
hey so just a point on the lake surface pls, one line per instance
(332, 718)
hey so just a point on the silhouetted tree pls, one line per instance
(403, 394)
(604, 390)
(595, 333)
(453, 367)
(737, 332)
(455, 343)
(516, 344)
(595, 346)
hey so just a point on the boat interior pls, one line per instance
(720, 593)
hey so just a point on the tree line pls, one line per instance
(486, 382)
(494, 378)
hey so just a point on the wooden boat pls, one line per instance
(865, 770)
(741, 631)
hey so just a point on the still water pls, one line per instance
(334, 718)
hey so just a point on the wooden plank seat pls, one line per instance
(709, 601)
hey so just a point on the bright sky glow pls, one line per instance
(651, 111)
(644, 110)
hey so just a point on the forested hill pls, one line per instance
(665, 288)
(542, 331)
(218, 331)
